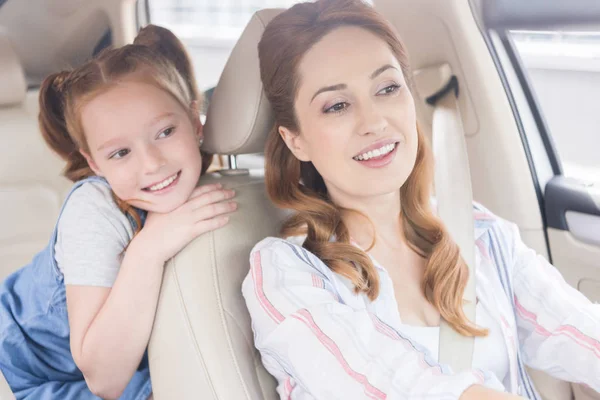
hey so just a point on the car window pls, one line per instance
(208, 28)
(563, 69)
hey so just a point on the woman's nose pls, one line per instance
(372, 119)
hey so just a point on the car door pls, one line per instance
(549, 53)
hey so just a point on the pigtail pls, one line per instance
(54, 130)
(54, 127)
(165, 43)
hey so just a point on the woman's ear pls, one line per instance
(91, 162)
(295, 143)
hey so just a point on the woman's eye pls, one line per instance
(389, 89)
(338, 107)
(166, 133)
(119, 154)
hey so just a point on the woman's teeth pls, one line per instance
(376, 153)
(163, 184)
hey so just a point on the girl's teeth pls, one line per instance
(164, 183)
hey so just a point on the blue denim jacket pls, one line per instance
(35, 356)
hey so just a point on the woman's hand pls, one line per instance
(477, 392)
(166, 234)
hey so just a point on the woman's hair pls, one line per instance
(298, 185)
(157, 57)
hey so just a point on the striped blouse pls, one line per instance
(320, 340)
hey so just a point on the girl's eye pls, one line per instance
(166, 133)
(119, 154)
(389, 89)
(337, 107)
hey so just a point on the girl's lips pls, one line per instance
(166, 188)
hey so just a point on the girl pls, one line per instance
(349, 306)
(75, 323)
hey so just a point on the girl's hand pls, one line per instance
(166, 234)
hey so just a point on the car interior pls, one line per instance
(202, 343)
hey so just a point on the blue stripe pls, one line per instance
(293, 247)
(417, 347)
(503, 273)
(328, 285)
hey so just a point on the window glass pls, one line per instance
(208, 28)
(564, 70)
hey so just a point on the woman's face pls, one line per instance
(356, 116)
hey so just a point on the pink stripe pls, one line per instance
(317, 281)
(582, 340)
(479, 376)
(478, 215)
(389, 332)
(565, 330)
(287, 387)
(306, 318)
(483, 249)
(384, 329)
(259, 290)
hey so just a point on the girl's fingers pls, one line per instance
(200, 190)
(210, 197)
(211, 224)
(212, 210)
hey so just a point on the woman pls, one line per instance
(349, 305)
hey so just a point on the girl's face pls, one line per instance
(143, 142)
(356, 116)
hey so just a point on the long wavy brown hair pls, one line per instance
(157, 57)
(297, 185)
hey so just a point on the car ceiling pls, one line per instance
(50, 35)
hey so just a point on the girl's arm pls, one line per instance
(110, 327)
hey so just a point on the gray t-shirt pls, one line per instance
(92, 234)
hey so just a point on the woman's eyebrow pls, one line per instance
(339, 86)
(380, 70)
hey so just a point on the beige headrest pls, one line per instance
(12, 79)
(239, 115)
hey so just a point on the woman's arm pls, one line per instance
(478, 392)
(558, 327)
(313, 332)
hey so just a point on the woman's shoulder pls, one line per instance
(278, 245)
(486, 221)
(275, 241)
(286, 254)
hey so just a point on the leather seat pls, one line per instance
(31, 187)
(202, 343)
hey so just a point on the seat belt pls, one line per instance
(454, 197)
